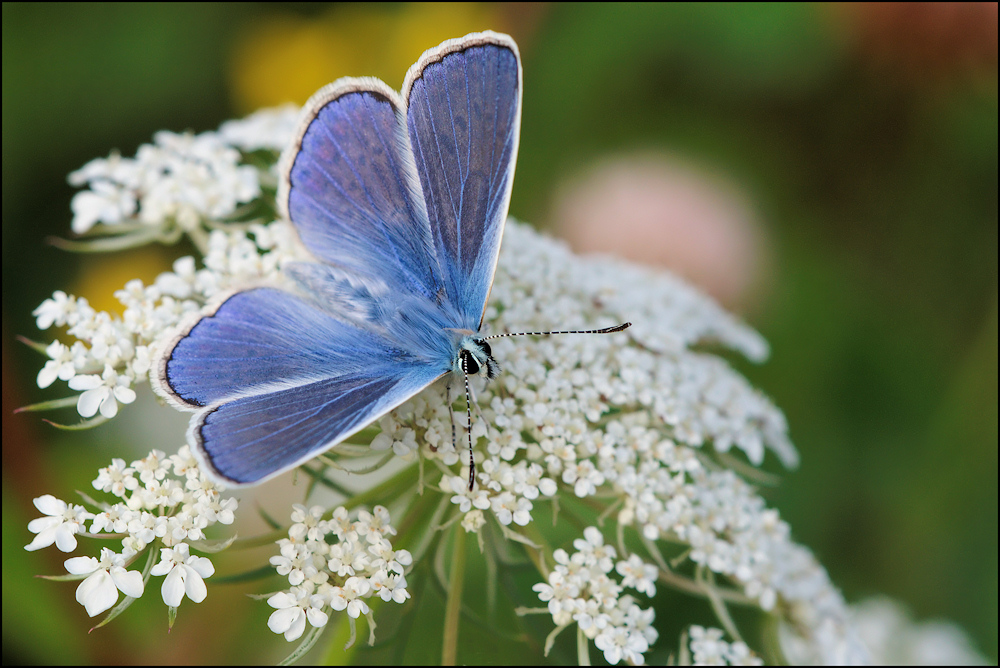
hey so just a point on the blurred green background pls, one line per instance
(863, 143)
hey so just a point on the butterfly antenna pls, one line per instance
(606, 330)
(468, 421)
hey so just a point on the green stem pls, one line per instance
(453, 607)
(582, 647)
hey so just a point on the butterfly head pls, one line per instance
(476, 358)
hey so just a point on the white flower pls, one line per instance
(307, 523)
(707, 646)
(185, 573)
(619, 643)
(61, 309)
(638, 575)
(349, 597)
(895, 638)
(473, 521)
(153, 466)
(510, 508)
(388, 558)
(64, 521)
(389, 586)
(61, 365)
(99, 591)
(117, 479)
(293, 609)
(264, 129)
(584, 477)
(374, 525)
(115, 519)
(559, 593)
(105, 202)
(593, 549)
(466, 500)
(102, 392)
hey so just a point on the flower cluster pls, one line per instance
(112, 352)
(642, 425)
(339, 574)
(581, 590)
(265, 129)
(626, 415)
(709, 649)
(179, 179)
(895, 638)
(180, 183)
(165, 502)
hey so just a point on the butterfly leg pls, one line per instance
(451, 414)
(468, 419)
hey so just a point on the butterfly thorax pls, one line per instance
(474, 357)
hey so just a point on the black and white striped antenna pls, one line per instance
(475, 356)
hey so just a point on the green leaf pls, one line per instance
(52, 404)
(84, 424)
(121, 242)
(34, 345)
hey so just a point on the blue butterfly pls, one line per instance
(401, 198)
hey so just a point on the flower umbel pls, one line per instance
(162, 502)
(632, 435)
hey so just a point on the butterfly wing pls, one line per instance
(277, 380)
(463, 116)
(349, 186)
(416, 218)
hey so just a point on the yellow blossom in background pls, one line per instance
(101, 275)
(290, 57)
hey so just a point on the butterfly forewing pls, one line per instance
(463, 106)
(349, 186)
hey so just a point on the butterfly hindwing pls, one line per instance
(463, 111)
(260, 339)
(277, 380)
(254, 438)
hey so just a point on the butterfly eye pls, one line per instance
(470, 363)
(485, 346)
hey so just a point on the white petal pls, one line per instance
(281, 620)
(298, 626)
(202, 566)
(109, 407)
(97, 593)
(194, 586)
(162, 568)
(47, 375)
(41, 524)
(317, 617)
(43, 539)
(90, 401)
(281, 600)
(126, 395)
(65, 537)
(81, 565)
(49, 505)
(67, 371)
(85, 382)
(129, 582)
(173, 588)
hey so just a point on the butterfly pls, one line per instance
(401, 199)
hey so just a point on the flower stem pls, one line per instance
(582, 648)
(453, 608)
